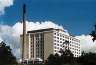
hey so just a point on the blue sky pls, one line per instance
(77, 16)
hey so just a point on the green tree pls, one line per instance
(51, 59)
(93, 33)
(65, 58)
(88, 58)
(6, 56)
(54, 59)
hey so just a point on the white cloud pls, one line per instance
(37, 25)
(11, 34)
(4, 4)
(87, 43)
(7, 35)
(0, 40)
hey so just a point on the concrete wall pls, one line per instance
(48, 44)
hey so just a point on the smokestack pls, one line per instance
(24, 31)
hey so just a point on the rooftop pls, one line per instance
(42, 30)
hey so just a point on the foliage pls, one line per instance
(88, 58)
(93, 33)
(54, 59)
(6, 56)
(65, 58)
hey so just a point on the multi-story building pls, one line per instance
(41, 43)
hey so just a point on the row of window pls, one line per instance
(37, 42)
(38, 55)
(63, 39)
(66, 37)
(76, 55)
(56, 51)
(74, 52)
(39, 52)
(69, 42)
(70, 45)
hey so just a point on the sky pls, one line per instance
(77, 17)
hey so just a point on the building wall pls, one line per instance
(31, 45)
(36, 45)
(59, 43)
(48, 44)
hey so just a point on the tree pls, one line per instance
(65, 58)
(87, 58)
(51, 59)
(54, 59)
(6, 56)
(93, 33)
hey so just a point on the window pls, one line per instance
(63, 40)
(57, 34)
(60, 38)
(55, 50)
(37, 38)
(31, 35)
(57, 47)
(55, 40)
(60, 41)
(57, 44)
(41, 35)
(57, 37)
(54, 43)
(54, 36)
(37, 35)
(60, 35)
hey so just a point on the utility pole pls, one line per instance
(24, 31)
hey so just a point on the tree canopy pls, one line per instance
(6, 56)
(93, 33)
(68, 58)
(65, 58)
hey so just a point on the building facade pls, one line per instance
(41, 43)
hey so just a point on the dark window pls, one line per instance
(57, 37)
(36, 35)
